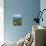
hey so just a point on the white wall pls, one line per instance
(43, 6)
(1, 20)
